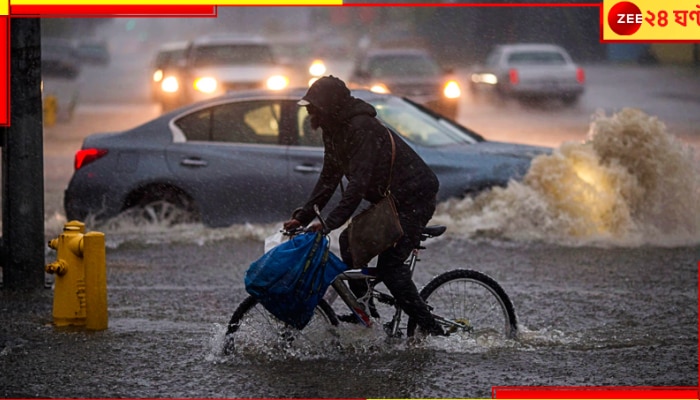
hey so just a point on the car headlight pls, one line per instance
(206, 84)
(158, 75)
(452, 90)
(170, 84)
(277, 82)
(317, 68)
(379, 88)
(490, 79)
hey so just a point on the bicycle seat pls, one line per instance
(432, 231)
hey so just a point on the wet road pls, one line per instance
(618, 307)
(588, 316)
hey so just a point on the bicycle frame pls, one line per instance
(355, 305)
(359, 306)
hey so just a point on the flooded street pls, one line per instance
(604, 279)
(588, 316)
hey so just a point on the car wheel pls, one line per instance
(161, 205)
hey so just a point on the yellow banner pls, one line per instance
(651, 21)
(170, 2)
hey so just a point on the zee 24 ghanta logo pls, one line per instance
(626, 18)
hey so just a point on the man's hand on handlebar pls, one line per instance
(294, 226)
(291, 225)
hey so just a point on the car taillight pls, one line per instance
(86, 156)
(513, 76)
(580, 75)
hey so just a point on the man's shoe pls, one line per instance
(435, 330)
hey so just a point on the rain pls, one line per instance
(597, 246)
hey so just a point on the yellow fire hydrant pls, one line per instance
(80, 290)
(50, 110)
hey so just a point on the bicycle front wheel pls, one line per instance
(253, 329)
(470, 302)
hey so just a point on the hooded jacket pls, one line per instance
(357, 146)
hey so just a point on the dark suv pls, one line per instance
(411, 73)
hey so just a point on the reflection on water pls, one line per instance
(630, 183)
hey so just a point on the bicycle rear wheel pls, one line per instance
(253, 329)
(470, 302)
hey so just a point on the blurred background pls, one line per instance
(457, 35)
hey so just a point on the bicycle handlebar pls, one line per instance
(301, 229)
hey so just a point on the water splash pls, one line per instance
(630, 183)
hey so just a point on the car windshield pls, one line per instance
(169, 57)
(538, 57)
(418, 126)
(205, 56)
(402, 65)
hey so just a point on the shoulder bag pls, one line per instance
(377, 228)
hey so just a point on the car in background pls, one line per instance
(60, 58)
(528, 72)
(93, 52)
(408, 72)
(165, 60)
(252, 156)
(61, 68)
(215, 64)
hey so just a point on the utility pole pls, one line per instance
(23, 242)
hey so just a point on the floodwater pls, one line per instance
(602, 271)
(598, 248)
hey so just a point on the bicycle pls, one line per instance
(463, 301)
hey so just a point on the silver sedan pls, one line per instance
(253, 157)
(529, 72)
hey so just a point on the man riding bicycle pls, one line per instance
(357, 147)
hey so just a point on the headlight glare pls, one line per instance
(277, 82)
(206, 84)
(158, 75)
(452, 90)
(170, 84)
(317, 68)
(487, 78)
(379, 88)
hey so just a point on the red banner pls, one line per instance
(5, 71)
(115, 10)
(534, 392)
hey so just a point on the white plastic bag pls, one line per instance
(274, 240)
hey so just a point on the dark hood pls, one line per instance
(355, 107)
(329, 94)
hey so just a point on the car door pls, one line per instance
(232, 159)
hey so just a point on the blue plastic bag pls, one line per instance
(290, 280)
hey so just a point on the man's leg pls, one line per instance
(397, 276)
(358, 287)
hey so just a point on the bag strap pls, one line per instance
(391, 166)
